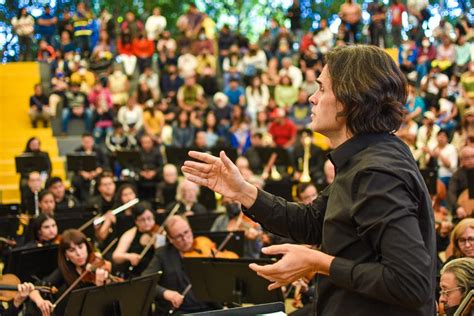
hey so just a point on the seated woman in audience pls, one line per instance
(131, 116)
(44, 230)
(462, 240)
(74, 254)
(457, 280)
(136, 239)
(183, 131)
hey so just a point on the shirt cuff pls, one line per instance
(340, 272)
(260, 207)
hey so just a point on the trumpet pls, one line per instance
(305, 177)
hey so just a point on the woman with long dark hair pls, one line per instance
(75, 254)
(44, 231)
(24, 26)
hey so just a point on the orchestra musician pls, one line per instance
(63, 199)
(46, 202)
(133, 241)
(187, 196)
(174, 280)
(44, 230)
(15, 307)
(459, 183)
(74, 255)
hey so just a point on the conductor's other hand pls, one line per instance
(174, 298)
(217, 173)
(297, 262)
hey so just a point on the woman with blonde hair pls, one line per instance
(462, 239)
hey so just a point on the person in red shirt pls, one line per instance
(282, 129)
(143, 48)
(397, 8)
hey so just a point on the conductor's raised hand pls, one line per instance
(297, 262)
(219, 174)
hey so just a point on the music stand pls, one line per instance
(230, 152)
(8, 226)
(26, 163)
(81, 162)
(282, 188)
(75, 220)
(130, 159)
(9, 209)
(262, 309)
(177, 156)
(130, 298)
(202, 222)
(235, 244)
(283, 157)
(28, 264)
(430, 176)
(229, 281)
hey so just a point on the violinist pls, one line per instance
(74, 255)
(234, 220)
(44, 230)
(64, 200)
(133, 241)
(14, 308)
(174, 280)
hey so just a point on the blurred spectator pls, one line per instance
(153, 122)
(170, 83)
(143, 48)
(65, 45)
(66, 23)
(166, 43)
(324, 38)
(254, 62)
(183, 130)
(282, 129)
(46, 52)
(291, 71)
(310, 85)
(107, 24)
(300, 112)
(118, 139)
(39, 107)
(131, 116)
(83, 77)
(225, 40)
(47, 25)
(286, 93)
(208, 81)
(83, 28)
(187, 64)
(239, 130)
(235, 93)
(119, 85)
(190, 95)
(377, 23)
(205, 58)
(150, 78)
(396, 10)
(232, 65)
(132, 25)
(126, 53)
(351, 15)
(257, 95)
(24, 26)
(76, 105)
(155, 25)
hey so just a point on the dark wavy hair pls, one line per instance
(66, 267)
(370, 86)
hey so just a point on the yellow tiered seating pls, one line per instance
(16, 86)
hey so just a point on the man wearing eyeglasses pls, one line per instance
(457, 280)
(459, 183)
(174, 280)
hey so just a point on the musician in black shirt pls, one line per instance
(374, 222)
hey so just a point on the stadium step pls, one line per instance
(17, 81)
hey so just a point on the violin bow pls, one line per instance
(153, 239)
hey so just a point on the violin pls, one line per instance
(95, 263)
(9, 286)
(203, 247)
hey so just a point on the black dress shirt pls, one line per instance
(376, 220)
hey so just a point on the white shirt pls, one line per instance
(449, 152)
(154, 26)
(294, 73)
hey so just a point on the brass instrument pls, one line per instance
(270, 170)
(305, 177)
